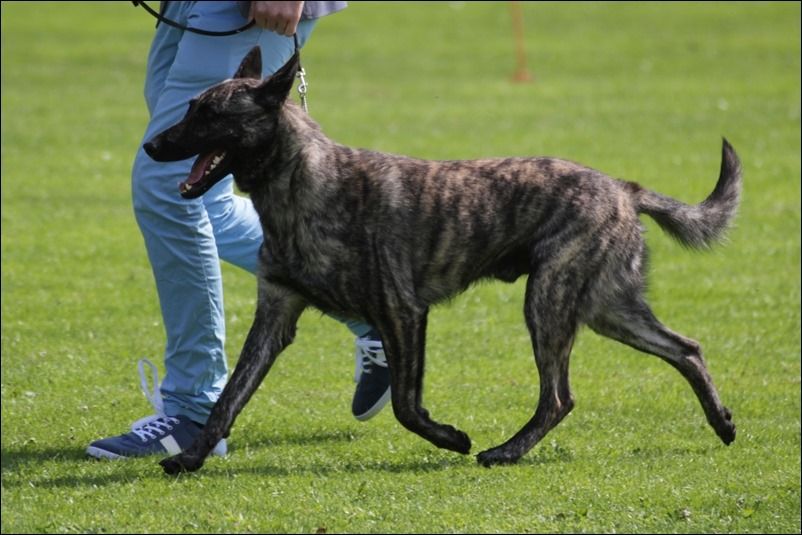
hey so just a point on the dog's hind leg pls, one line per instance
(634, 324)
(550, 311)
(404, 337)
(277, 313)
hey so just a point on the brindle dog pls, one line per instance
(380, 237)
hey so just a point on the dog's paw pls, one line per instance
(726, 429)
(172, 465)
(180, 463)
(452, 439)
(495, 456)
(462, 442)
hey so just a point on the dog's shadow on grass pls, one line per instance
(310, 438)
(319, 439)
(23, 465)
(263, 469)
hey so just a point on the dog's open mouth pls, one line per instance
(207, 170)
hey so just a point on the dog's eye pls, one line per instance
(198, 108)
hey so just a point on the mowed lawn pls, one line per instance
(641, 91)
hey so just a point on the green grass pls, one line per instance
(641, 91)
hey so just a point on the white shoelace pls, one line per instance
(368, 353)
(157, 424)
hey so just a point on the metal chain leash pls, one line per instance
(303, 88)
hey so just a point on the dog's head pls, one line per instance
(234, 116)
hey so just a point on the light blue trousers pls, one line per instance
(185, 239)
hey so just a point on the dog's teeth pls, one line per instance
(215, 161)
(187, 187)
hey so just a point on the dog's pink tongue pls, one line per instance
(199, 168)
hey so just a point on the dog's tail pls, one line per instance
(699, 226)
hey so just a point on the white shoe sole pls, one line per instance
(376, 408)
(220, 450)
(98, 453)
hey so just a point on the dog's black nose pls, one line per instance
(150, 148)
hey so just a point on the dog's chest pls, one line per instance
(307, 261)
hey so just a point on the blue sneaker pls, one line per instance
(372, 377)
(156, 434)
(163, 435)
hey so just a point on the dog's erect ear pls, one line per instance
(251, 66)
(274, 90)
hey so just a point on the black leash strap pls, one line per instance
(174, 24)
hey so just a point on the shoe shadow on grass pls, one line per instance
(34, 466)
(14, 458)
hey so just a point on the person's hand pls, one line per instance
(280, 17)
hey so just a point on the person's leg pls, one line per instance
(179, 235)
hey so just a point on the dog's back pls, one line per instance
(440, 225)
(445, 224)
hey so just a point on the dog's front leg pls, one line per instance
(273, 329)
(404, 337)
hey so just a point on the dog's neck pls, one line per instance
(283, 171)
